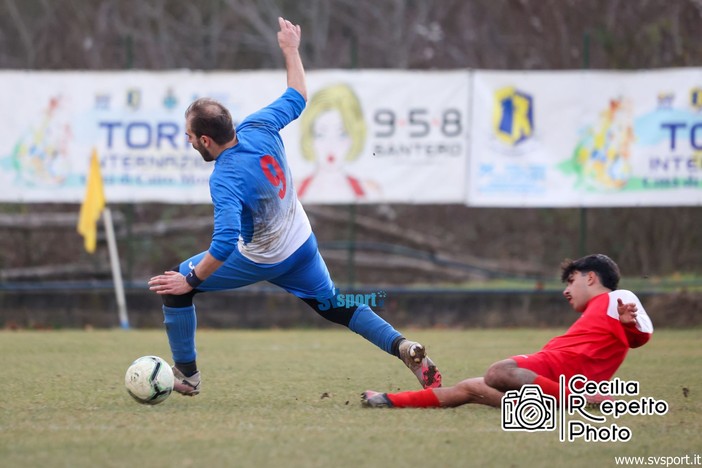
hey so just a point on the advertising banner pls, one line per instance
(550, 139)
(365, 137)
(483, 138)
(383, 137)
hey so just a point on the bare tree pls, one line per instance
(428, 34)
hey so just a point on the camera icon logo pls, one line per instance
(528, 409)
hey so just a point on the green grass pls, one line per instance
(262, 405)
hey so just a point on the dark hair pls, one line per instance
(602, 265)
(209, 117)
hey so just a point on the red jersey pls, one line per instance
(597, 343)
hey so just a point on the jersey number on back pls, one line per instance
(276, 176)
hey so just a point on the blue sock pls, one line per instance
(181, 323)
(370, 326)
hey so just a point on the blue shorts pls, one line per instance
(303, 274)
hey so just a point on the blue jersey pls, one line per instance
(255, 205)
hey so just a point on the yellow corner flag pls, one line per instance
(93, 204)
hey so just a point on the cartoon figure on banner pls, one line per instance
(333, 134)
(41, 155)
(602, 157)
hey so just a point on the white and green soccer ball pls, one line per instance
(149, 380)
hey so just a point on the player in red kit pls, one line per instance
(612, 321)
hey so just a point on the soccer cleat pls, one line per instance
(371, 399)
(189, 386)
(415, 357)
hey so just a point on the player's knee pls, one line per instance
(177, 301)
(182, 300)
(497, 375)
(340, 315)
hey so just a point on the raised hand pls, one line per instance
(627, 312)
(289, 42)
(289, 35)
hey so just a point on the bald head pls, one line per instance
(206, 116)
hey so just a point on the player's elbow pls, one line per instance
(221, 250)
(637, 341)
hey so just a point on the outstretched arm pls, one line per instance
(289, 42)
(172, 282)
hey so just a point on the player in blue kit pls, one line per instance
(261, 231)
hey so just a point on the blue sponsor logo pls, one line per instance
(352, 300)
(513, 116)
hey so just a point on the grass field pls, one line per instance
(291, 398)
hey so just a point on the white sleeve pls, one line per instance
(643, 322)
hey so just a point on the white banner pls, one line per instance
(537, 139)
(134, 119)
(365, 136)
(383, 137)
(555, 139)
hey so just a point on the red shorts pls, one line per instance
(541, 363)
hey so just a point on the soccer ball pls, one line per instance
(149, 380)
